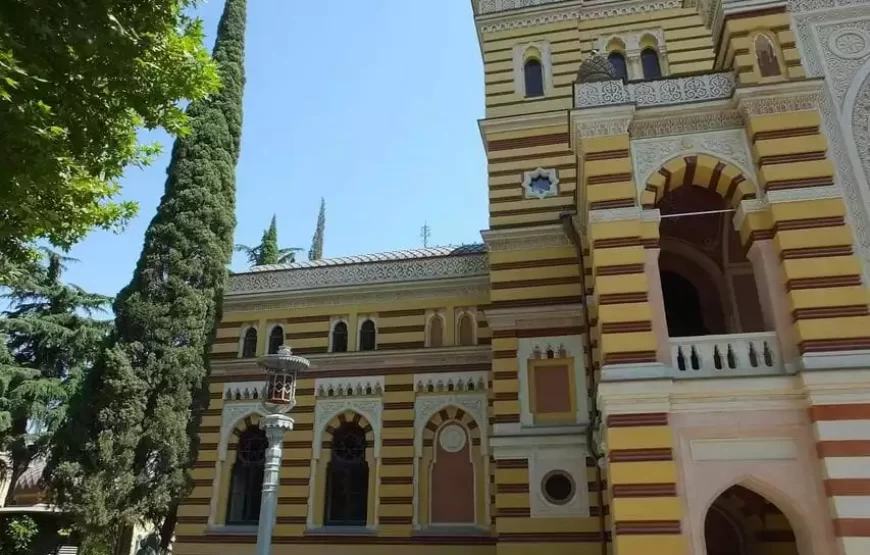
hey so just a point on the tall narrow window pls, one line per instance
(617, 60)
(436, 332)
(649, 60)
(339, 338)
(249, 345)
(246, 482)
(534, 77)
(347, 480)
(367, 336)
(276, 339)
(768, 64)
(466, 330)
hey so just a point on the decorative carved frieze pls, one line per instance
(661, 92)
(502, 19)
(238, 391)
(526, 238)
(451, 382)
(349, 387)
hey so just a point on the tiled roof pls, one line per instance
(412, 254)
(31, 477)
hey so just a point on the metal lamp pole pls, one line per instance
(279, 398)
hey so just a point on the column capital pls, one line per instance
(275, 425)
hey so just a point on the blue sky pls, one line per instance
(372, 105)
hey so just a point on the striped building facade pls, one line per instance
(662, 345)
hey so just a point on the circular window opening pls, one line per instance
(558, 487)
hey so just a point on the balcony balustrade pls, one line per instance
(667, 91)
(734, 355)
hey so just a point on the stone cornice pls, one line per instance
(538, 317)
(374, 363)
(543, 12)
(526, 238)
(489, 126)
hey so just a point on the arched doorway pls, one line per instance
(742, 522)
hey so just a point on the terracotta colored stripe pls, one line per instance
(292, 500)
(396, 520)
(294, 481)
(506, 396)
(844, 448)
(225, 340)
(504, 354)
(628, 358)
(398, 346)
(798, 183)
(829, 312)
(307, 335)
(506, 418)
(858, 411)
(398, 423)
(513, 511)
(847, 486)
(833, 345)
(296, 444)
(608, 178)
(534, 210)
(616, 242)
(810, 223)
(549, 301)
(331, 539)
(505, 375)
(606, 155)
(512, 488)
(790, 158)
(296, 463)
(550, 332)
(398, 387)
(714, 177)
(306, 319)
(639, 419)
(399, 406)
(512, 463)
(504, 173)
(203, 483)
(404, 370)
(230, 325)
(644, 490)
(852, 527)
(551, 537)
(192, 520)
(622, 298)
(397, 461)
(823, 282)
(545, 263)
(310, 350)
(647, 527)
(501, 334)
(526, 142)
(397, 442)
(816, 252)
(204, 464)
(619, 269)
(626, 327)
(396, 500)
(615, 203)
(543, 282)
(493, 162)
(402, 329)
(197, 501)
(209, 429)
(732, 187)
(400, 313)
(223, 356)
(397, 480)
(689, 175)
(785, 133)
(635, 455)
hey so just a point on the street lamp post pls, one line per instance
(279, 398)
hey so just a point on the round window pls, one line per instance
(558, 487)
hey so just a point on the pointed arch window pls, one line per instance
(649, 60)
(276, 339)
(249, 343)
(765, 53)
(466, 330)
(367, 336)
(617, 60)
(533, 73)
(339, 338)
(436, 332)
(246, 481)
(347, 480)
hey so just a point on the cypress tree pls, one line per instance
(316, 251)
(126, 450)
(270, 253)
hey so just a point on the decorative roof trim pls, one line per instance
(398, 267)
(546, 13)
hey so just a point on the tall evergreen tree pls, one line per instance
(125, 452)
(50, 339)
(316, 251)
(268, 252)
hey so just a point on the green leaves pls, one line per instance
(268, 252)
(77, 79)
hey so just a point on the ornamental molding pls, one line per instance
(799, 96)
(238, 391)
(452, 438)
(531, 318)
(678, 124)
(450, 382)
(468, 287)
(326, 410)
(526, 238)
(398, 271)
(648, 155)
(549, 174)
(493, 21)
(493, 6)
(427, 406)
(602, 127)
(231, 414)
(349, 387)
(661, 92)
(614, 214)
(804, 193)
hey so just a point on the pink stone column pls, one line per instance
(657, 306)
(771, 292)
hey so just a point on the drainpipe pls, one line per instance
(567, 219)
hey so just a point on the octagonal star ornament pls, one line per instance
(540, 183)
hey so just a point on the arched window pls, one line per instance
(765, 52)
(339, 338)
(466, 330)
(367, 336)
(649, 60)
(534, 77)
(276, 339)
(436, 332)
(249, 345)
(246, 482)
(617, 60)
(347, 479)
